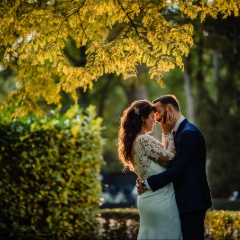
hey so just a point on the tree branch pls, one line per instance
(134, 26)
(69, 15)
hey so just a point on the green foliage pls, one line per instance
(215, 79)
(49, 173)
(35, 33)
(124, 224)
(223, 225)
(118, 223)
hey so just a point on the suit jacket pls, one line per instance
(187, 171)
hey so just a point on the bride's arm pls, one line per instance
(156, 151)
(168, 142)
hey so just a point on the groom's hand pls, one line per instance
(139, 186)
(169, 124)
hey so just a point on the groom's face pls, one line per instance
(160, 112)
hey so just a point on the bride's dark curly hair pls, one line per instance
(130, 125)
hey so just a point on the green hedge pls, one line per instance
(124, 224)
(118, 223)
(49, 169)
(223, 225)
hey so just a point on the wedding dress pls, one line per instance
(159, 216)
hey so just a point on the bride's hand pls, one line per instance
(170, 123)
(140, 189)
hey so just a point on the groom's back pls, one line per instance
(191, 188)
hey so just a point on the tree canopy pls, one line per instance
(35, 33)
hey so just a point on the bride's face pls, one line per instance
(150, 121)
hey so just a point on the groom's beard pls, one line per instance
(164, 116)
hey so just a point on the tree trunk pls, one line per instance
(216, 73)
(188, 91)
(142, 93)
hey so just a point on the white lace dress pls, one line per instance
(159, 216)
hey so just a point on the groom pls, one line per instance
(187, 171)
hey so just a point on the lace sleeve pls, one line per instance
(155, 150)
(168, 142)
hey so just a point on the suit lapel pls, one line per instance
(180, 128)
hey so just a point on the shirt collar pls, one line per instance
(178, 123)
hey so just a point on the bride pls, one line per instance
(159, 216)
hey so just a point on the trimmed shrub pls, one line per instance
(49, 170)
(118, 223)
(124, 224)
(223, 225)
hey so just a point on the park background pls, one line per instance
(54, 54)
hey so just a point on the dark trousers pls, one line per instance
(193, 225)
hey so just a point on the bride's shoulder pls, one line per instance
(144, 137)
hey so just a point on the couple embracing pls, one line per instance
(173, 192)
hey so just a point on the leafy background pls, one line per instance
(109, 53)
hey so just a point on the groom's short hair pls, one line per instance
(168, 99)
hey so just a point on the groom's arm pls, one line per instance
(187, 148)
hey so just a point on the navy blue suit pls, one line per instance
(188, 174)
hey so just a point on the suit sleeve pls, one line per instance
(187, 147)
